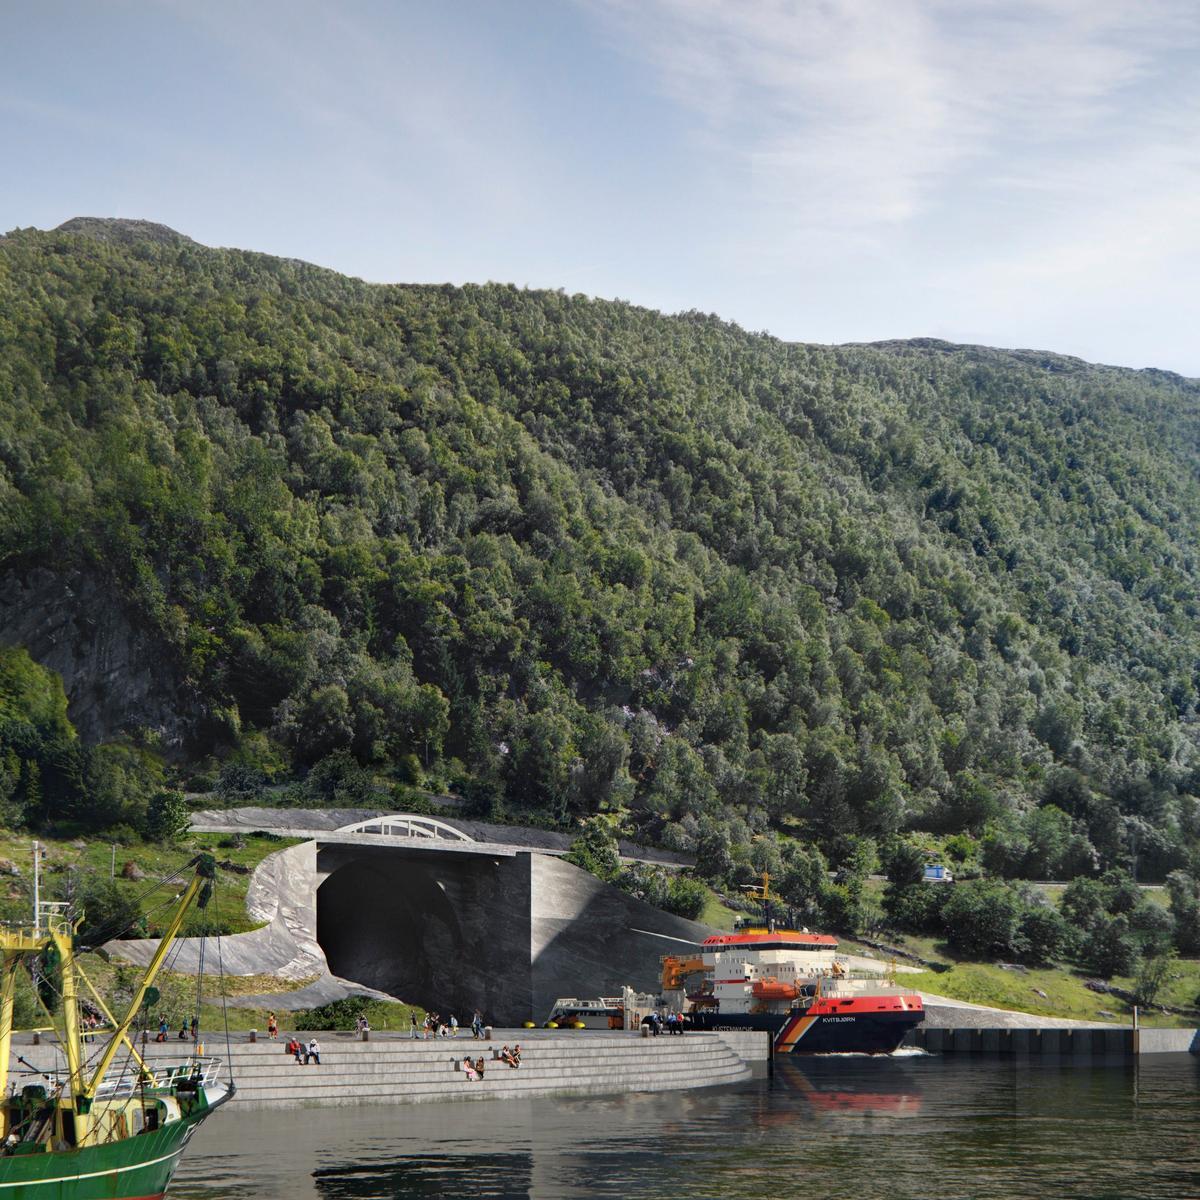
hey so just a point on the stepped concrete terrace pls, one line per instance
(417, 908)
(389, 1069)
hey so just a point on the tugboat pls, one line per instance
(100, 1133)
(790, 983)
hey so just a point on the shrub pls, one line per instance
(1045, 934)
(1154, 972)
(595, 851)
(686, 897)
(166, 817)
(108, 912)
(1110, 949)
(337, 1014)
(983, 918)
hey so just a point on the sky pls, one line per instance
(1021, 173)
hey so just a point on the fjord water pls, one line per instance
(845, 1127)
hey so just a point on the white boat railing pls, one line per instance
(204, 1071)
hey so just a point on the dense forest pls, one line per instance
(568, 558)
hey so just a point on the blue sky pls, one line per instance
(1016, 173)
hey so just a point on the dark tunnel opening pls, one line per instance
(443, 932)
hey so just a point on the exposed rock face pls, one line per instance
(118, 678)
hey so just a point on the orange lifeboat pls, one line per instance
(772, 989)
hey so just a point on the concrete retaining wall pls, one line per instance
(1169, 1041)
(750, 1045)
(400, 1071)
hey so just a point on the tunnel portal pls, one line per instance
(447, 932)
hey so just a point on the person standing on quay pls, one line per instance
(412, 1024)
(272, 1026)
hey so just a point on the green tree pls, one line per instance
(686, 898)
(983, 918)
(1109, 948)
(1154, 973)
(595, 850)
(340, 781)
(166, 817)
(1184, 895)
(1045, 935)
(714, 860)
(108, 912)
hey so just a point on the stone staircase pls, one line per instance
(390, 1070)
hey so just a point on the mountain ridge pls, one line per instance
(130, 230)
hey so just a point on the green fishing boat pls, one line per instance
(107, 1129)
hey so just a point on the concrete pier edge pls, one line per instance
(1058, 1041)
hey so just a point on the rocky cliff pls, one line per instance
(118, 678)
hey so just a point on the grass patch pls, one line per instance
(716, 913)
(68, 862)
(1066, 996)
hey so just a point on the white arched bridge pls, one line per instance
(408, 825)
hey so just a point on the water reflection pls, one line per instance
(492, 1176)
(982, 1128)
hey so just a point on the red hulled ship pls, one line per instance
(791, 983)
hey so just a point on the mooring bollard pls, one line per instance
(366, 1035)
(254, 1035)
(37, 1038)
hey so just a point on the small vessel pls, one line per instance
(606, 1012)
(790, 983)
(103, 1131)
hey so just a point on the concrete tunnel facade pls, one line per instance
(504, 933)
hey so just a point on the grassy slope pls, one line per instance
(1066, 996)
(227, 908)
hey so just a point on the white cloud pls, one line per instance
(857, 115)
(888, 167)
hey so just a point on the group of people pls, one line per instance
(472, 1070)
(672, 1023)
(305, 1054)
(164, 1027)
(434, 1027)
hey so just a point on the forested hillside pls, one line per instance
(566, 556)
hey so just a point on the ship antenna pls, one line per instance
(768, 912)
(763, 892)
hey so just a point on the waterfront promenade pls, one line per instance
(392, 1069)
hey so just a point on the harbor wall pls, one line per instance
(1062, 1041)
(394, 1070)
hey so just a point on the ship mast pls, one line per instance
(17, 943)
(762, 892)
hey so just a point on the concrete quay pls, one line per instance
(390, 1069)
(1059, 1041)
